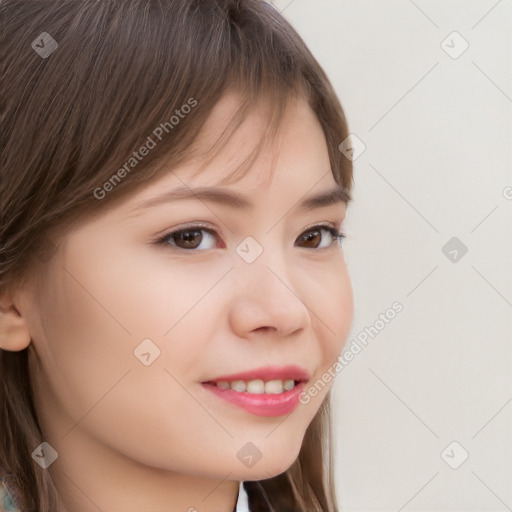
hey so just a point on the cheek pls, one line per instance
(82, 347)
(342, 308)
(96, 312)
(148, 292)
(332, 307)
(332, 314)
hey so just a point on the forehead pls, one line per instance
(296, 158)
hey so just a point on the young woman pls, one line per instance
(173, 289)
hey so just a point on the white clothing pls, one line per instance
(242, 505)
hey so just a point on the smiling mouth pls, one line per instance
(256, 386)
(265, 380)
(258, 397)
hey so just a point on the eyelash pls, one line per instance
(338, 236)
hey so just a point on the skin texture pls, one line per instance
(136, 438)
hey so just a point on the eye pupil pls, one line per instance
(311, 236)
(188, 237)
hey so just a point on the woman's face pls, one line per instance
(128, 323)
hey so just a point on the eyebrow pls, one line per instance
(334, 195)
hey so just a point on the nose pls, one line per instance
(264, 300)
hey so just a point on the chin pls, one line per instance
(265, 469)
(261, 474)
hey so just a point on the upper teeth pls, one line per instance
(258, 386)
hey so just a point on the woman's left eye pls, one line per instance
(191, 238)
(314, 234)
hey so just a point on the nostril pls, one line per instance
(265, 329)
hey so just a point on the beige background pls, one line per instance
(437, 165)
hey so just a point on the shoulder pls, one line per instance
(7, 501)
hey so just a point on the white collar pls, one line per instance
(242, 505)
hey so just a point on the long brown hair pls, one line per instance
(84, 84)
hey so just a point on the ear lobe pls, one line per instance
(14, 332)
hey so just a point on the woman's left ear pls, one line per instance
(14, 332)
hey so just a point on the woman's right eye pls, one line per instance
(189, 238)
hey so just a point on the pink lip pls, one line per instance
(267, 373)
(261, 404)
